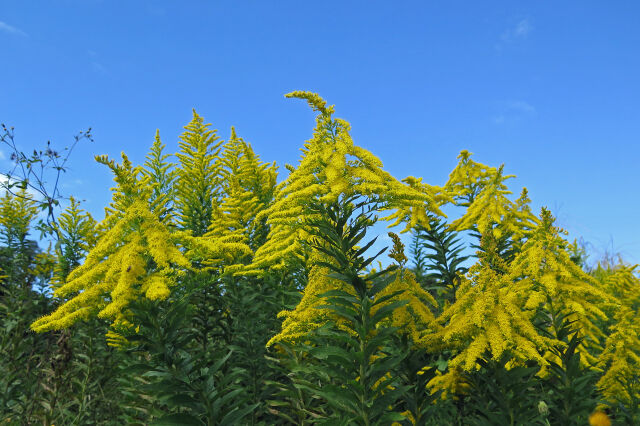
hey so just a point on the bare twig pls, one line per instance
(30, 173)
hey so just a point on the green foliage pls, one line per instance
(160, 175)
(178, 383)
(253, 305)
(439, 250)
(21, 352)
(236, 300)
(294, 400)
(17, 252)
(198, 174)
(248, 186)
(503, 396)
(77, 235)
(570, 387)
(415, 371)
(355, 364)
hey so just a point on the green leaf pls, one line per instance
(386, 310)
(238, 414)
(177, 420)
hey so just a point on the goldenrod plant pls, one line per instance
(20, 352)
(352, 363)
(213, 292)
(439, 249)
(620, 360)
(160, 175)
(332, 166)
(78, 234)
(17, 212)
(199, 178)
(248, 187)
(571, 392)
(136, 254)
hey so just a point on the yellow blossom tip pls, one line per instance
(599, 418)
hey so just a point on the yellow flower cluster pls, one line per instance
(198, 177)
(212, 253)
(468, 178)
(333, 166)
(488, 208)
(397, 249)
(599, 418)
(219, 198)
(415, 319)
(545, 270)
(621, 359)
(126, 191)
(494, 307)
(16, 214)
(620, 281)
(77, 233)
(119, 265)
(249, 186)
(482, 191)
(491, 314)
(306, 317)
(452, 383)
(158, 178)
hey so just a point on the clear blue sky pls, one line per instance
(551, 89)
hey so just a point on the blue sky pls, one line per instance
(551, 89)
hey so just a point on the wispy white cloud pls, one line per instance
(3, 184)
(514, 111)
(96, 65)
(519, 31)
(8, 29)
(72, 184)
(499, 119)
(2, 156)
(522, 29)
(521, 106)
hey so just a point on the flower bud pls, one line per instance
(543, 408)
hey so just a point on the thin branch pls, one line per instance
(28, 177)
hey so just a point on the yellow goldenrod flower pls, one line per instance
(16, 214)
(545, 271)
(621, 359)
(599, 418)
(248, 185)
(198, 177)
(117, 263)
(489, 316)
(77, 232)
(333, 166)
